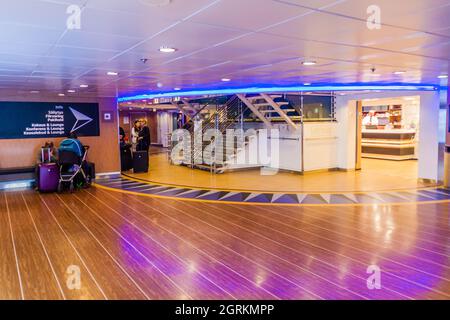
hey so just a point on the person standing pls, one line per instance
(121, 134)
(135, 134)
(371, 119)
(144, 140)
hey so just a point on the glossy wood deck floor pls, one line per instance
(135, 247)
(376, 175)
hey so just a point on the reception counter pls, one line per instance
(393, 144)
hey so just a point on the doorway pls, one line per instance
(388, 137)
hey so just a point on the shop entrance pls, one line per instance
(388, 138)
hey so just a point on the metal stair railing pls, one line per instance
(224, 117)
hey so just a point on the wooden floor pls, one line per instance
(134, 247)
(376, 175)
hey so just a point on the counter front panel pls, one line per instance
(389, 144)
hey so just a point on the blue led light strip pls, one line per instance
(353, 87)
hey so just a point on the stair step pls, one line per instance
(267, 111)
(255, 98)
(266, 104)
(273, 111)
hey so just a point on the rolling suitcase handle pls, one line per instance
(49, 155)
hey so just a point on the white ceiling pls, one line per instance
(249, 41)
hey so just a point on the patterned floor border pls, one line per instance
(402, 196)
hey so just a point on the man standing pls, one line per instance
(144, 140)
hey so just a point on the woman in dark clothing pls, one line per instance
(121, 134)
(144, 137)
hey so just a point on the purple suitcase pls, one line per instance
(48, 177)
(48, 174)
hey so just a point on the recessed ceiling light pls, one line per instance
(61, 94)
(167, 49)
(84, 86)
(443, 76)
(112, 73)
(226, 79)
(399, 72)
(71, 91)
(34, 91)
(177, 89)
(156, 3)
(309, 63)
(307, 84)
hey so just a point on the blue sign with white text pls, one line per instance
(26, 120)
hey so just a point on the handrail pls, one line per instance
(195, 115)
(220, 121)
(224, 116)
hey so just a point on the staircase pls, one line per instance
(218, 156)
(271, 107)
(187, 108)
(212, 155)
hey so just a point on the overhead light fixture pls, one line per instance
(156, 3)
(309, 63)
(34, 91)
(399, 72)
(71, 91)
(84, 86)
(443, 76)
(177, 89)
(112, 73)
(167, 49)
(61, 94)
(226, 79)
(307, 84)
